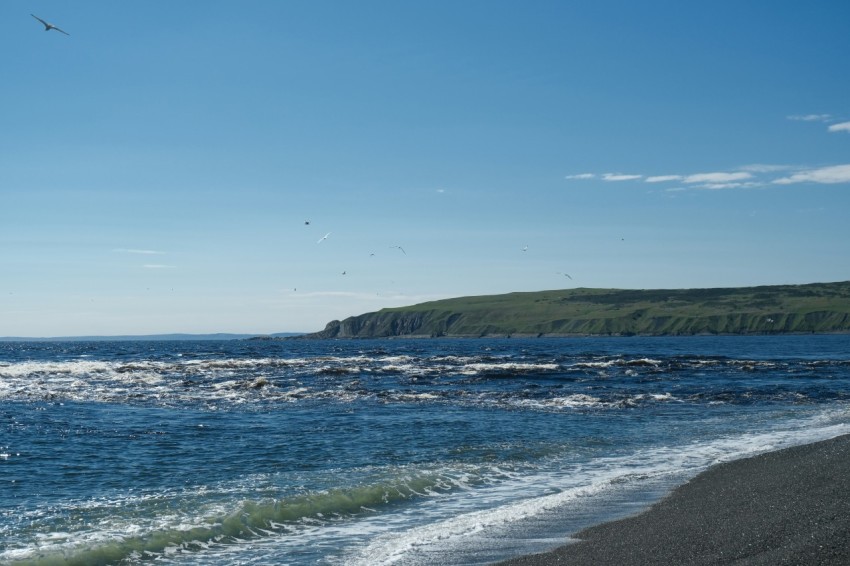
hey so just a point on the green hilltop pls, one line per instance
(775, 309)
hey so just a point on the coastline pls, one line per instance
(542, 335)
(791, 506)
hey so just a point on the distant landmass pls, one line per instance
(147, 337)
(775, 309)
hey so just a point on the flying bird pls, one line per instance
(48, 26)
(525, 249)
(401, 248)
(567, 275)
(323, 238)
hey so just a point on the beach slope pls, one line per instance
(791, 506)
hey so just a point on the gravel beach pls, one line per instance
(791, 506)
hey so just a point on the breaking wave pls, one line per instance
(153, 535)
(553, 383)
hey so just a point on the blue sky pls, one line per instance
(159, 164)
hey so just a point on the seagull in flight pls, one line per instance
(565, 274)
(323, 238)
(48, 26)
(401, 248)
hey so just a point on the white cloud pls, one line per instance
(717, 186)
(717, 180)
(765, 168)
(842, 127)
(620, 177)
(663, 178)
(749, 176)
(811, 117)
(714, 178)
(824, 175)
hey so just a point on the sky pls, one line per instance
(176, 166)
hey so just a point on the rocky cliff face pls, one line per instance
(424, 324)
(378, 325)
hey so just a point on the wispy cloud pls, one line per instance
(620, 177)
(811, 117)
(721, 186)
(663, 178)
(747, 176)
(715, 178)
(823, 175)
(750, 176)
(137, 251)
(765, 168)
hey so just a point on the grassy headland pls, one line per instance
(776, 309)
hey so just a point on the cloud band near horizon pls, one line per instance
(742, 178)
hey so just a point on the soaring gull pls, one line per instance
(323, 238)
(48, 26)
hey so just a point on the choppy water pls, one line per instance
(379, 452)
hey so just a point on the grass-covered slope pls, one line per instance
(818, 307)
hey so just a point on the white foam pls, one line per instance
(578, 400)
(460, 527)
(477, 368)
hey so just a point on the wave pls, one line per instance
(614, 362)
(400, 363)
(250, 520)
(504, 501)
(601, 490)
(524, 381)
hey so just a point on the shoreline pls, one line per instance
(790, 506)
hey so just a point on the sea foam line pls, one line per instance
(420, 545)
(183, 532)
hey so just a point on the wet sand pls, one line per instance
(791, 506)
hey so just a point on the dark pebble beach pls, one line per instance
(791, 506)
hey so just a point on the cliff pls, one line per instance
(812, 308)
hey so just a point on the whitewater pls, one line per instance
(365, 452)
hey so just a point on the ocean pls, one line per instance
(372, 452)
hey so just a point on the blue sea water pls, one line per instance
(363, 452)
